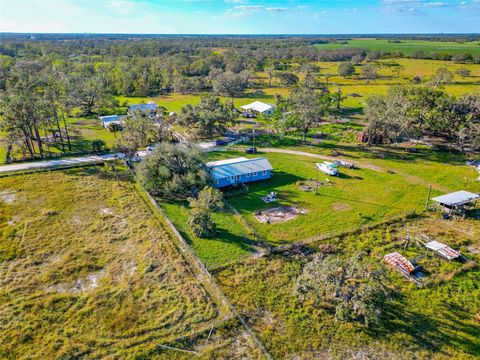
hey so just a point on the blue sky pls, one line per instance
(241, 16)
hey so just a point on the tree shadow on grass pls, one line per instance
(104, 172)
(222, 235)
(429, 333)
(396, 154)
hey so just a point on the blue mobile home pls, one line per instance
(239, 170)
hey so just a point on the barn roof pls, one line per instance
(238, 166)
(456, 198)
(257, 106)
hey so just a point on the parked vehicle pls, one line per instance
(224, 141)
(328, 168)
(345, 164)
(151, 147)
(251, 150)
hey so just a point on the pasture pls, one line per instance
(88, 269)
(232, 242)
(407, 47)
(436, 321)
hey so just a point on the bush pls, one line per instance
(201, 220)
(98, 145)
(346, 69)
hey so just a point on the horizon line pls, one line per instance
(241, 34)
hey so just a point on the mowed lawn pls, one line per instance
(357, 197)
(233, 240)
(88, 270)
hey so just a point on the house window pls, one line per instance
(247, 175)
(228, 178)
(254, 174)
(264, 172)
(238, 177)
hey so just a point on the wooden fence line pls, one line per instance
(188, 251)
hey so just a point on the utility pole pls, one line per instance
(428, 197)
(316, 184)
(253, 132)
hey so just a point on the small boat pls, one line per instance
(328, 168)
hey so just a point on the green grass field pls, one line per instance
(389, 183)
(408, 47)
(341, 206)
(232, 242)
(87, 270)
(434, 322)
(445, 171)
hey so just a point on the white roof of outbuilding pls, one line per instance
(110, 118)
(258, 106)
(456, 198)
(143, 107)
(443, 249)
(238, 166)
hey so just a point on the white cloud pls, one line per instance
(276, 9)
(248, 10)
(435, 4)
(10, 25)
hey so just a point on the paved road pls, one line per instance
(71, 161)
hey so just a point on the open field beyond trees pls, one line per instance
(355, 90)
(407, 47)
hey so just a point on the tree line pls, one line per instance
(408, 112)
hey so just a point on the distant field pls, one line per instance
(88, 271)
(408, 47)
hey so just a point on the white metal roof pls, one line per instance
(238, 166)
(225, 162)
(258, 106)
(108, 118)
(143, 107)
(456, 198)
(443, 249)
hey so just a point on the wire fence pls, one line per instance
(393, 218)
(190, 255)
